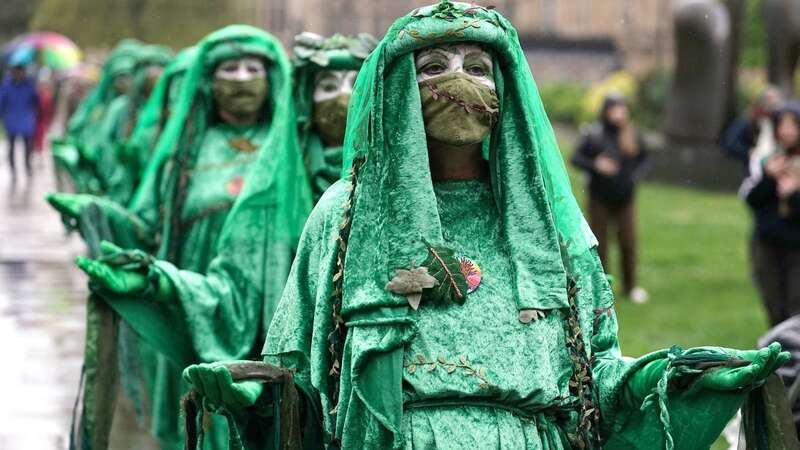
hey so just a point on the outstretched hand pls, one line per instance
(762, 364)
(119, 271)
(70, 205)
(214, 382)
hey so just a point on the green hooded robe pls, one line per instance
(313, 54)
(379, 374)
(196, 175)
(75, 153)
(116, 178)
(138, 150)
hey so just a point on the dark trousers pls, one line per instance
(28, 143)
(777, 273)
(601, 217)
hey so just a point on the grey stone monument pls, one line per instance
(782, 24)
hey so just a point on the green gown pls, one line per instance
(196, 175)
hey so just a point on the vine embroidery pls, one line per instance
(451, 367)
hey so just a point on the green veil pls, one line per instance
(120, 61)
(312, 54)
(139, 148)
(530, 181)
(115, 175)
(73, 152)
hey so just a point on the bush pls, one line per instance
(563, 100)
(654, 88)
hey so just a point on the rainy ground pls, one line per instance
(42, 298)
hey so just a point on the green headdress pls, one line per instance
(312, 54)
(120, 61)
(530, 183)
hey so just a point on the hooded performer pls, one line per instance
(442, 300)
(138, 150)
(234, 106)
(116, 178)
(325, 70)
(77, 151)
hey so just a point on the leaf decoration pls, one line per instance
(530, 315)
(242, 144)
(445, 267)
(411, 282)
(313, 48)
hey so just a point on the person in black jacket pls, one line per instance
(775, 200)
(614, 156)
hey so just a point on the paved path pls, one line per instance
(42, 298)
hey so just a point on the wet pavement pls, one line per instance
(42, 304)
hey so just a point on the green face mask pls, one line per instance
(330, 119)
(457, 109)
(240, 99)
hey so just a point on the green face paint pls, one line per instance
(458, 109)
(240, 99)
(330, 119)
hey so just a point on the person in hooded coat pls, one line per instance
(233, 118)
(440, 299)
(615, 159)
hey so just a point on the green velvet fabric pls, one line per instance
(227, 201)
(116, 177)
(138, 150)
(515, 393)
(76, 151)
(311, 55)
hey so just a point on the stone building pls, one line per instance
(578, 39)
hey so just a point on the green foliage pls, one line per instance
(651, 98)
(101, 23)
(563, 100)
(754, 48)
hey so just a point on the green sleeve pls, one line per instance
(631, 416)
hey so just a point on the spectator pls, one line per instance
(18, 104)
(774, 195)
(742, 136)
(46, 111)
(614, 156)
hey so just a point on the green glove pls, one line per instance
(718, 368)
(125, 272)
(214, 382)
(70, 205)
(762, 364)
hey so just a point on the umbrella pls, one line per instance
(53, 50)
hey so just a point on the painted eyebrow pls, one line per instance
(427, 54)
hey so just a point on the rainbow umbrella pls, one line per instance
(49, 49)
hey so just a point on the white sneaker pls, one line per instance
(638, 295)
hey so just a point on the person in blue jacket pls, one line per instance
(18, 109)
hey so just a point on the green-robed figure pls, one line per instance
(116, 178)
(324, 73)
(448, 293)
(233, 119)
(76, 152)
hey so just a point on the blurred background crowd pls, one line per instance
(676, 117)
